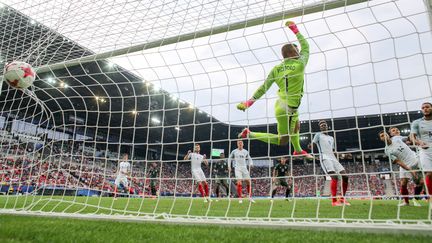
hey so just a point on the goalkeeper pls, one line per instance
(289, 76)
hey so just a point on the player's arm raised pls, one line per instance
(274, 174)
(304, 53)
(187, 156)
(205, 161)
(258, 93)
(314, 144)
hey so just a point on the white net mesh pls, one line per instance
(152, 79)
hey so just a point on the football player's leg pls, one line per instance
(225, 185)
(294, 131)
(201, 188)
(333, 185)
(345, 180)
(274, 189)
(282, 137)
(217, 189)
(404, 190)
(419, 182)
(287, 188)
(239, 178)
(239, 188)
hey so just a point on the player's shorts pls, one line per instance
(241, 173)
(121, 180)
(286, 117)
(426, 159)
(153, 182)
(198, 175)
(279, 182)
(331, 165)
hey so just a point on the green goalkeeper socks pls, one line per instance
(295, 140)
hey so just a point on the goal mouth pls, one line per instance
(173, 75)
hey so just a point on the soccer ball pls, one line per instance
(19, 75)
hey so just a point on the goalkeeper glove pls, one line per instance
(292, 26)
(244, 105)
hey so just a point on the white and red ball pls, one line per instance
(19, 75)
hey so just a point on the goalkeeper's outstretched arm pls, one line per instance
(304, 53)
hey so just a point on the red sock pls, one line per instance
(206, 188)
(428, 183)
(404, 193)
(201, 190)
(333, 188)
(239, 190)
(344, 187)
(249, 190)
(115, 191)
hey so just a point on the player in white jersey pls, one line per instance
(395, 133)
(330, 163)
(197, 173)
(399, 153)
(123, 171)
(421, 136)
(241, 170)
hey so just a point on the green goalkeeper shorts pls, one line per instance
(287, 117)
(280, 182)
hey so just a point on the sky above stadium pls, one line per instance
(367, 58)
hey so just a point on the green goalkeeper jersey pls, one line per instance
(289, 76)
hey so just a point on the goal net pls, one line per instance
(151, 79)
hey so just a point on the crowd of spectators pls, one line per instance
(19, 167)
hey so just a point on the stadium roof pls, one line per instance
(103, 100)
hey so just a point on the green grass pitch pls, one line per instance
(47, 229)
